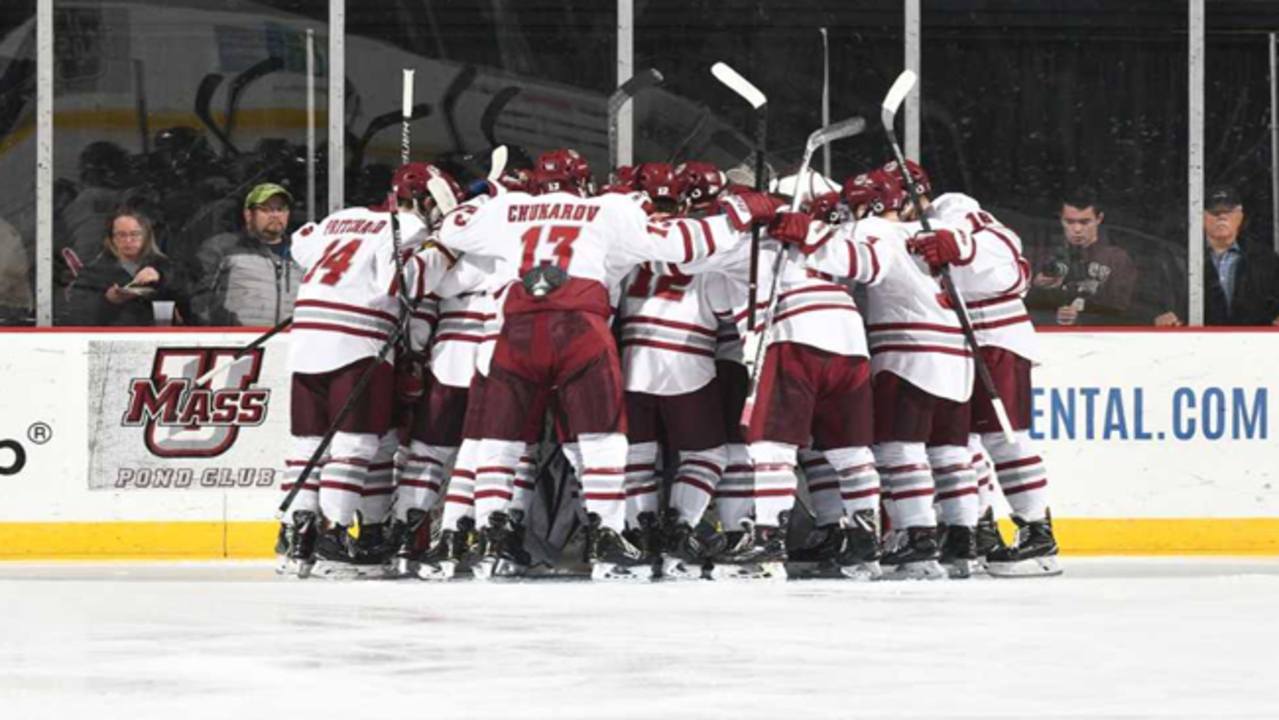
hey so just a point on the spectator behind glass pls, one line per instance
(1241, 275)
(118, 287)
(249, 277)
(1085, 280)
(15, 278)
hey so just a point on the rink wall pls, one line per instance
(1156, 442)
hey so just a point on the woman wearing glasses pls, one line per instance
(119, 287)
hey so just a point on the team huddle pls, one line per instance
(442, 342)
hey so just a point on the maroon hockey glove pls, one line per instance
(410, 381)
(792, 229)
(747, 208)
(937, 248)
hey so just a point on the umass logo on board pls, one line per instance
(185, 421)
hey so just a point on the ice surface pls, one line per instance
(1130, 638)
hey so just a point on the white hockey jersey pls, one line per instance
(347, 306)
(669, 332)
(467, 318)
(912, 333)
(995, 281)
(595, 241)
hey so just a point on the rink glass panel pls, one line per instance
(532, 75)
(778, 47)
(128, 126)
(1023, 101)
(17, 161)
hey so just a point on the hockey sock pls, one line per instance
(956, 485)
(422, 477)
(642, 484)
(735, 495)
(823, 487)
(1021, 473)
(494, 477)
(573, 453)
(524, 483)
(379, 483)
(345, 474)
(603, 476)
(775, 481)
(858, 478)
(308, 498)
(908, 482)
(695, 482)
(985, 474)
(459, 501)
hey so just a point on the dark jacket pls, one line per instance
(1102, 275)
(1256, 294)
(242, 282)
(89, 304)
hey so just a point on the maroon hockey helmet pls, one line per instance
(923, 185)
(660, 182)
(561, 170)
(825, 207)
(876, 191)
(702, 182)
(410, 181)
(621, 180)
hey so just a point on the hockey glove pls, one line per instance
(940, 247)
(747, 208)
(410, 381)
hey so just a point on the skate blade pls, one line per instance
(674, 568)
(330, 570)
(612, 572)
(1046, 566)
(862, 572)
(774, 571)
(508, 570)
(295, 568)
(436, 572)
(919, 570)
(483, 569)
(960, 569)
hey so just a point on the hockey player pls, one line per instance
(669, 331)
(349, 307)
(992, 283)
(569, 250)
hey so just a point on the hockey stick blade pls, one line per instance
(835, 131)
(739, 84)
(629, 89)
(242, 82)
(452, 93)
(497, 163)
(488, 121)
(442, 194)
(203, 99)
(896, 94)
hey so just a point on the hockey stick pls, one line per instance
(241, 82)
(406, 117)
(488, 121)
(243, 352)
(203, 98)
(842, 129)
(892, 102)
(380, 123)
(825, 97)
(640, 81)
(497, 163)
(698, 124)
(452, 93)
(442, 194)
(759, 102)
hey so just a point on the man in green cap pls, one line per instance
(248, 277)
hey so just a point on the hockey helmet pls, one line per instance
(876, 191)
(702, 182)
(923, 186)
(825, 207)
(621, 180)
(561, 170)
(410, 182)
(662, 185)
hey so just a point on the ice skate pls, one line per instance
(989, 539)
(760, 554)
(1033, 555)
(613, 557)
(958, 551)
(914, 557)
(300, 540)
(647, 538)
(859, 557)
(334, 554)
(446, 557)
(282, 550)
(372, 552)
(684, 552)
(816, 557)
(503, 555)
(413, 538)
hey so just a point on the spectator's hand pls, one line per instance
(1067, 315)
(1170, 319)
(1046, 281)
(146, 276)
(117, 295)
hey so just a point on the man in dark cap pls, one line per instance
(1241, 275)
